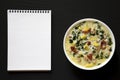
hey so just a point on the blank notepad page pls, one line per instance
(29, 40)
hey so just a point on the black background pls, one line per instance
(64, 13)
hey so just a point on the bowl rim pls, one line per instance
(113, 45)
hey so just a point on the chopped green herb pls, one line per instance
(97, 56)
(79, 48)
(81, 39)
(101, 36)
(82, 23)
(70, 41)
(109, 41)
(101, 55)
(93, 48)
(107, 56)
(97, 32)
(77, 36)
(74, 37)
(74, 54)
(77, 43)
(86, 53)
(76, 27)
(83, 43)
(79, 32)
(92, 34)
(80, 56)
(73, 33)
(96, 22)
(99, 63)
(110, 49)
(99, 27)
(94, 51)
(102, 31)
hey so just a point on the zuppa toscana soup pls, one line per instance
(88, 43)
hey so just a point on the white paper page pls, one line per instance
(29, 41)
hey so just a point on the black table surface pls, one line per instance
(64, 13)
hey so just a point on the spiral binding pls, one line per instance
(29, 11)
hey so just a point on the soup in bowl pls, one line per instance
(89, 44)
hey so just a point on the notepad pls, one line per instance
(29, 40)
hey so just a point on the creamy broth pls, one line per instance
(88, 43)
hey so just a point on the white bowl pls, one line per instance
(106, 61)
